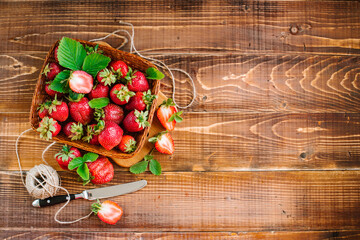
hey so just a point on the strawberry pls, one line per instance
(136, 121)
(99, 91)
(101, 170)
(137, 82)
(106, 77)
(92, 133)
(66, 155)
(56, 53)
(111, 112)
(127, 144)
(48, 128)
(120, 94)
(58, 110)
(120, 68)
(81, 111)
(108, 211)
(141, 101)
(74, 130)
(111, 135)
(51, 70)
(43, 109)
(51, 92)
(163, 143)
(168, 114)
(81, 82)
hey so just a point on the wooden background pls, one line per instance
(270, 149)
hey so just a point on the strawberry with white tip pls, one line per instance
(168, 114)
(108, 211)
(81, 82)
(163, 143)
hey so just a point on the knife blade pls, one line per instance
(93, 194)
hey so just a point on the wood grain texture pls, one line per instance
(236, 201)
(278, 86)
(188, 26)
(227, 142)
(241, 83)
(314, 235)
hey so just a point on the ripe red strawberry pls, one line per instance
(136, 121)
(51, 70)
(51, 92)
(127, 144)
(111, 112)
(168, 114)
(111, 136)
(56, 53)
(101, 170)
(92, 133)
(58, 110)
(106, 77)
(120, 94)
(163, 143)
(48, 128)
(43, 109)
(74, 130)
(81, 82)
(137, 82)
(141, 101)
(81, 111)
(99, 91)
(66, 155)
(120, 68)
(108, 211)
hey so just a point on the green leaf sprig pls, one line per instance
(153, 73)
(99, 102)
(73, 55)
(140, 167)
(82, 168)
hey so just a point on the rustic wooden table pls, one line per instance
(270, 149)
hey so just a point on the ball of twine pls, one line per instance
(42, 181)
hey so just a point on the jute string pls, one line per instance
(50, 182)
(156, 62)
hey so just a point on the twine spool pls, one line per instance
(42, 181)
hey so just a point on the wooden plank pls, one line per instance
(230, 201)
(241, 83)
(227, 142)
(187, 26)
(334, 235)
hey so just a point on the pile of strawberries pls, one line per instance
(96, 100)
(96, 110)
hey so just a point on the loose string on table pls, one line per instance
(156, 62)
(50, 178)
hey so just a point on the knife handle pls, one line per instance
(52, 200)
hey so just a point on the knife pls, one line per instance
(93, 194)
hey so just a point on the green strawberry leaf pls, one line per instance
(176, 117)
(71, 54)
(76, 162)
(99, 102)
(95, 62)
(75, 97)
(153, 73)
(90, 157)
(139, 167)
(83, 171)
(148, 157)
(155, 167)
(61, 83)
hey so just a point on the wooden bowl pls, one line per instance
(131, 60)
